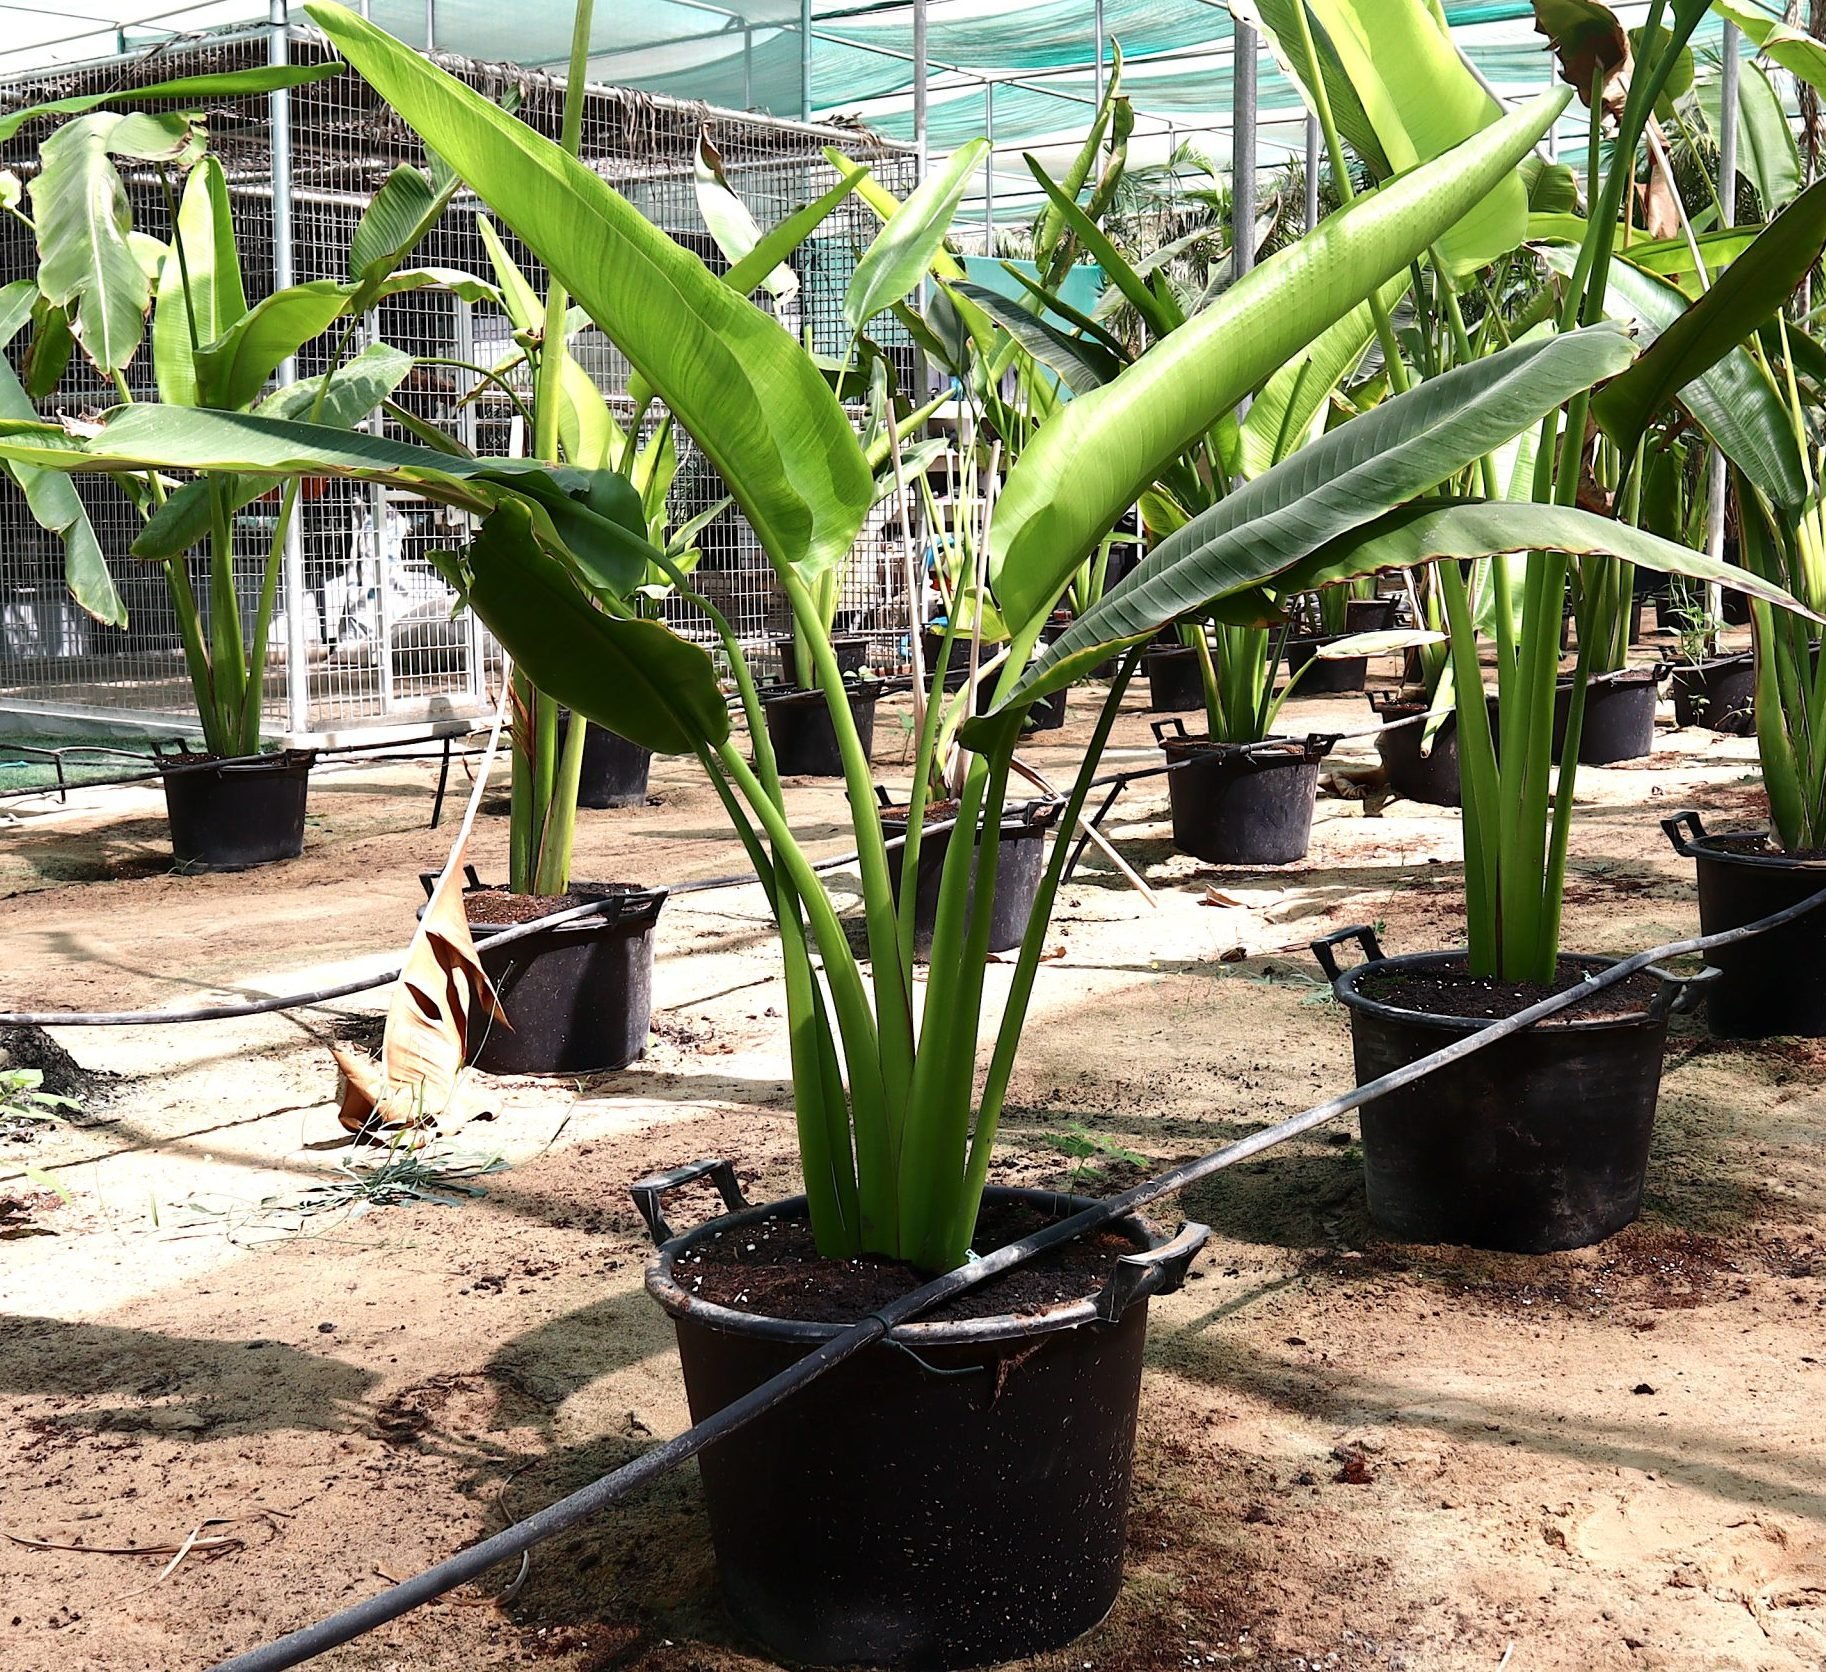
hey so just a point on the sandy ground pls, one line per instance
(1352, 1453)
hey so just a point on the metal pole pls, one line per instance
(921, 75)
(431, 25)
(291, 561)
(1242, 141)
(805, 60)
(1727, 199)
(1097, 25)
(1553, 133)
(989, 169)
(748, 69)
(1314, 142)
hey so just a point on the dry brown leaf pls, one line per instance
(1217, 897)
(440, 994)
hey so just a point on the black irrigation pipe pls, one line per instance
(310, 1641)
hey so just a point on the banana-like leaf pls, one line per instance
(50, 495)
(903, 250)
(87, 263)
(636, 677)
(741, 387)
(1160, 317)
(1672, 258)
(1080, 364)
(199, 284)
(48, 357)
(1049, 231)
(734, 228)
(1770, 156)
(194, 89)
(1794, 49)
(885, 204)
(1746, 294)
(591, 516)
(1465, 529)
(1378, 643)
(1406, 446)
(1276, 21)
(1090, 462)
(233, 369)
(1422, 100)
(1282, 415)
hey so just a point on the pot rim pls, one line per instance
(1017, 820)
(1710, 847)
(959, 1332)
(276, 761)
(855, 687)
(1344, 989)
(637, 907)
(1277, 749)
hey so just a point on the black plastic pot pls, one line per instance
(1174, 683)
(230, 815)
(1719, 693)
(1370, 615)
(954, 1496)
(1619, 717)
(1242, 803)
(1775, 983)
(850, 649)
(803, 737)
(1324, 676)
(1430, 777)
(1020, 856)
(614, 769)
(1057, 628)
(1535, 1143)
(578, 997)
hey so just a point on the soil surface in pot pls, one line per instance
(1755, 844)
(499, 905)
(773, 1268)
(1454, 993)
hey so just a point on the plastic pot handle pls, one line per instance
(1680, 993)
(1689, 822)
(1160, 728)
(650, 1192)
(1159, 1271)
(427, 880)
(1361, 933)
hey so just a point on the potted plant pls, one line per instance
(106, 287)
(896, 1129)
(1481, 1154)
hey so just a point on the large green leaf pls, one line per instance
(739, 385)
(1794, 49)
(193, 89)
(1080, 363)
(1770, 156)
(1404, 447)
(49, 494)
(199, 284)
(1428, 531)
(902, 251)
(1282, 415)
(1277, 22)
(636, 677)
(1161, 317)
(87, 262)
(1422, 100)
(779, 242)
(1748, 292)
(1087, 465)
(233, 369)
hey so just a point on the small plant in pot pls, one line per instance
(1498, 1151)
(106, 287)
(854, 1526)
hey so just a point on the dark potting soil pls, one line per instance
(1761, 846)
(772, 1268)
(1457, 993)
(935, 811)
(499, 906)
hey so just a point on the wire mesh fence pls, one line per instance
(366, 633)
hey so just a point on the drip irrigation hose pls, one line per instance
(310, 1641)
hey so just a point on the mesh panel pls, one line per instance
(367, 636)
